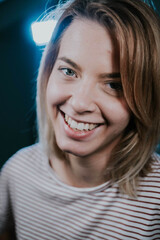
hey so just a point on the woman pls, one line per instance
(93, 174)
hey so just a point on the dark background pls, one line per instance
(19, 62)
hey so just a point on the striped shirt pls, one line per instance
(44, 208)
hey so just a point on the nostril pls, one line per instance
(82, 103)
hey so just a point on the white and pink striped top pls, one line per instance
(45, 208)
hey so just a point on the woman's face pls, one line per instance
(84, 96)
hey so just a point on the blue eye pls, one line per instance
(68, 72)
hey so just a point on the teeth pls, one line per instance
(91, 126)
(86, 126)
(69, 121)
(79, 126)
(73, 124)
(66, 118)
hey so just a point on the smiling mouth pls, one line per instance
(79, 126)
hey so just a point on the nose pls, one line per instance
(83, 98)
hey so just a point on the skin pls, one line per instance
(85, 85)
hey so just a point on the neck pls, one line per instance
(81, 172)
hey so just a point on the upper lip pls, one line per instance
(82, 121)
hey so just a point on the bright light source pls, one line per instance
(42, 31)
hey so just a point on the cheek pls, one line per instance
(122, 116)
(117, 112)
(55, 93)
(125, 111)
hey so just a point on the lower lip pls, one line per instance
(75, 134)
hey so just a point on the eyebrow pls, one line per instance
(70, 62)
(103, 75)
(110, 75)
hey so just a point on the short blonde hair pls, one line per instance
(136, 29)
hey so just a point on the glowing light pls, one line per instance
(42, 31)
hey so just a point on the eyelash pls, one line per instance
(68, 69)
(117, 86)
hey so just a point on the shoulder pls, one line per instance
(154, 174)
(156, 164)
(150, 184)
(32, 150)
(25, 158)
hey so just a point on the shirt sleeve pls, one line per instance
(6, 216)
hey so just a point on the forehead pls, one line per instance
(88, 40)
(92, 34)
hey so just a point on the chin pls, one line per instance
(73, 151)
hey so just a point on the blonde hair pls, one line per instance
(136, 29)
